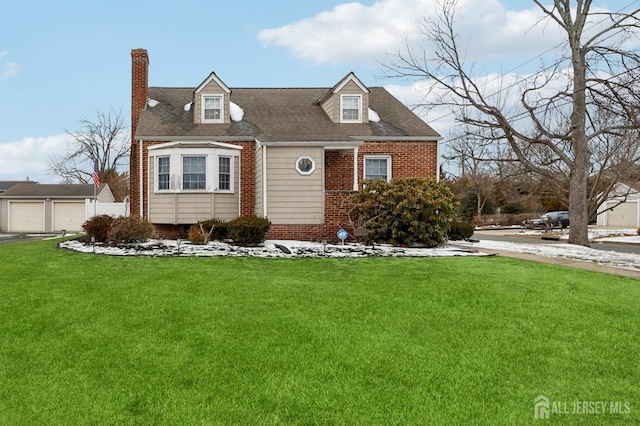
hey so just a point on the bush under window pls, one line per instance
(405, 211)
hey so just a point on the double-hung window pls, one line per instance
(163, 173)
(212, 109)
(350, 106)
(224, 173)
(377, 167)
(194, 172)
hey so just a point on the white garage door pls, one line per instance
(68, 216)
(26, 216)
(624, 215)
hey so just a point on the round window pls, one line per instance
(305, 165)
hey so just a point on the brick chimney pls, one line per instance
(139, 94)
(139, 85)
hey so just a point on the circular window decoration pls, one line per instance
(305, 165)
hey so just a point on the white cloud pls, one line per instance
(352, 32)
(30, 157)
(8, 69)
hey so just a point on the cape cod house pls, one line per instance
(290, 154)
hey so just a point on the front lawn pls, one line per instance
(88, 339)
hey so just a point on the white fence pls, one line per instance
(112, 209)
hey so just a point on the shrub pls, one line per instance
(98, 227)
(130, 230)
(248, 230)
(460, 230)
(513, 208)
(207, 230)
(405, 211)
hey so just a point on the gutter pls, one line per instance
(141, 183)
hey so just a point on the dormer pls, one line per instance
(347, 101)
(211, 101)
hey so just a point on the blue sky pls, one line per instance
(63, 60)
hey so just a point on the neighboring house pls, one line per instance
(8, 184)
(28, 207)
(622, 208)
(290, 154)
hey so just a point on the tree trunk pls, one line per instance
(578, 205)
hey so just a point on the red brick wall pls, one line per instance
(170, 231)
(296, 232)
(408, 158)
(338, 170)
(139, 94)
(247, 178)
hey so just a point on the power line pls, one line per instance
(533, 76)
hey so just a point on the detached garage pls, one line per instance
(48, 208)
(622, 210)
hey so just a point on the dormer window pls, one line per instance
(350, 108)
(212, 109)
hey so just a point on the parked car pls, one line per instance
(556, 219)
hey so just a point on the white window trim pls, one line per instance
(359, 119)
(157, 173)
(377, 157)
(206, 172)
(212, 168)
(202, 98)
(313, 165)
(217, 173)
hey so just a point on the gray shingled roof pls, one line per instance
(29, 190)
(277, 115)
(6, 184)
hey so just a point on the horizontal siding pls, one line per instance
(184, 208)
(293, 198)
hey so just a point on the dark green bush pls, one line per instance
(130, 229)
(98, 227)
(512, 208)
(405, 211)
(248, 230)
(208, 230)
(460, 230)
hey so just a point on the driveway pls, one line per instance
(17, 238)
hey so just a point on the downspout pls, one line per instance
(239, 183)
(355, 168)
(437, 161)
(140, 184)
(264, 181)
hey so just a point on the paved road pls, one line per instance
(515, 237)
(16, 238)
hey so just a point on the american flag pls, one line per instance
(96, 179)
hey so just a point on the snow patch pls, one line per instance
(268, 250)
(236, 112)
(187, 107)
(152, 102)
(373, 116)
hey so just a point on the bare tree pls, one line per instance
(555, 127)
(101, 143)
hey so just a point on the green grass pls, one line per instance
(88, 339)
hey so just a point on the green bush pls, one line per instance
(460, 230)
(513, 208)
(248, 230)
(405, 211)
(130, 229)
(98, 227)
(207, 230)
